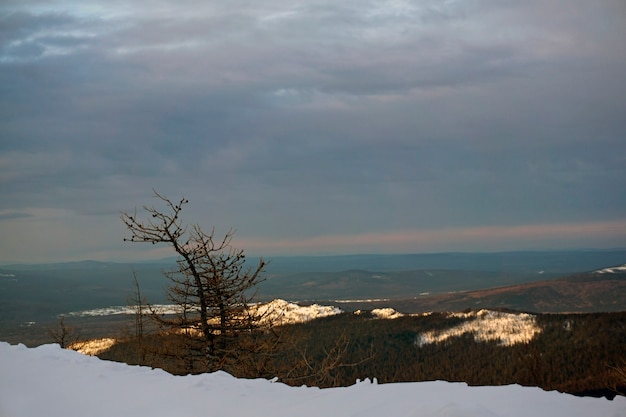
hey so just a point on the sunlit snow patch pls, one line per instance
(281, 312)
(506, 328)
(106, 311)
(93, 347)
(386, 313)
(278, 311)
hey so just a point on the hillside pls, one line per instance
(580, 353)
(602, 290)
(33, 296)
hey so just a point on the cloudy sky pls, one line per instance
(314, 126)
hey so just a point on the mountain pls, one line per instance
(376, 284)
(595, 291)
(33, 296)
(550, 262)
(399, 276)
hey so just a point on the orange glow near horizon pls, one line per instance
(468, 239)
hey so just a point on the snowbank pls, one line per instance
(48, 382)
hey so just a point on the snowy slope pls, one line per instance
(47, 381)
(612, 270)
(486, 325)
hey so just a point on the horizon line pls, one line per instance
(340, 255)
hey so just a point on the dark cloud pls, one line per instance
(293, 118)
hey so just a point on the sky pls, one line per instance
(313, 127)
(49, 381)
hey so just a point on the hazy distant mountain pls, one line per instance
(556, 262)
(596, 291)
(33, 295)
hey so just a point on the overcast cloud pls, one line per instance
(314, 127)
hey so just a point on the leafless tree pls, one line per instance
(211, 286)
(66, 336)
(323, 372)
(139, 304)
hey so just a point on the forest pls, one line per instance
(215, 325)
(581, 354)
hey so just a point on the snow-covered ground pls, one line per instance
(386, 313)
(485, 325)
(612, 270)
(279, 311)
(284, 312)
(93, 347)
(48, 381)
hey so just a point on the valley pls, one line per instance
(398, 318)
(32, 297)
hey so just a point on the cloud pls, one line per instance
(10, 215)
(305, 119)
(488, 238)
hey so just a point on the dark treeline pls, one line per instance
(582, 354)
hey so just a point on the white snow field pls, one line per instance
(48, 381)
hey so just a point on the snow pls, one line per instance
(613, 270)
(506, 328)
(94, 346)
(486, 325)
(114, 310)
(48, 381)
(279, 311)
(386, 313)
(283, 312)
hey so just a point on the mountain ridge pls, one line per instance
(557, 261)
(585, 292)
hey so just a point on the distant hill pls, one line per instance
(550, 262)
(367, 284)
(597, 291)
(33, 296)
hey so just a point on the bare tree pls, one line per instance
(139, 304)
(211, 286)
(323, 371)
(66, 336)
